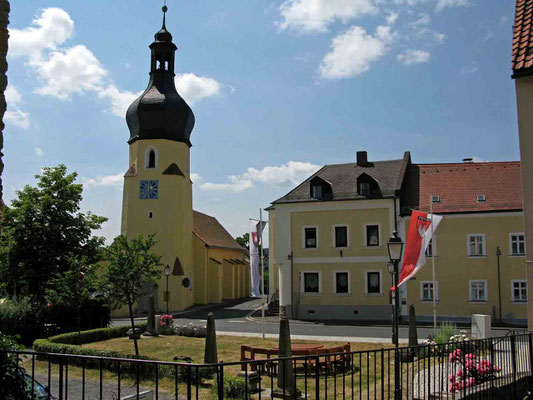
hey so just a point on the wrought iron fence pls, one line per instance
(489, 368)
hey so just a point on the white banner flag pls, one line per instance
(256, 232)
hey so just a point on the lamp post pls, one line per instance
(498, 254)
(395, 247)
(167, 294)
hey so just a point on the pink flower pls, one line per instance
(452, 378)
(460, 373)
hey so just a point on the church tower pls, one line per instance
(157, 186)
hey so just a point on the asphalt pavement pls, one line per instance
(238, 320)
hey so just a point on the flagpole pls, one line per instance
(433, 270)
(262, 280)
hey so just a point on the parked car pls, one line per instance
(40, 392)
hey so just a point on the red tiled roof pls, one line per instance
(212, 233)
(459, 184)
(522, 59)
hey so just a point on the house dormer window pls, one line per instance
(435, 199)
(364, 189)
(316, 191)
(150, 158)
(367, 186)
(481, 198)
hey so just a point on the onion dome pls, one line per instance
(160, 112)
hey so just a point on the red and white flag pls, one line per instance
(422, 227)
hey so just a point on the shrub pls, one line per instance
(191, 330)
(234, 387)
(95, 314)
(93, 335)
(18, 316)
(444, 332)
(12, 383)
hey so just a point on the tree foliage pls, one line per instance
(131, 269)
(43, 230)
(12, 383)
(244, 240)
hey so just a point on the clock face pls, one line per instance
(148, 189)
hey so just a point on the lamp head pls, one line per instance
(167, 270)
(395, 247)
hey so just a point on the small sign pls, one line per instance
(146, 395)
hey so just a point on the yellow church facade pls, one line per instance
(206, 264)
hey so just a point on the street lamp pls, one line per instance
(498, 254)
(395, 247)
(167, 294)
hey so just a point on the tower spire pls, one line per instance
(165, 9)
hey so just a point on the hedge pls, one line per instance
(69, 343)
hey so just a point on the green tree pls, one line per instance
(12, 383)
(244, 240)
(73, 287)
(42, 230)
(131, 268)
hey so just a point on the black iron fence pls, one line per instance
(494, 368)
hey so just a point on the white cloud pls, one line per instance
(306, 16)
(409, 3)
(75, 70)
(107, 180)
(422, 21)
(66, 71)
(442, 4)
(392, 17)
(39, 152)
(53, 27)
(293, 172)
(195, 177)
(478, 159)
(354, 50)
(195, 88)
(410, 57)
(17, 118)
(470, 69)
(13, 96)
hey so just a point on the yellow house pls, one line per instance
(522, 65)
(206, 263)
(328, 240)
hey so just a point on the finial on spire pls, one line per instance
(165, 9)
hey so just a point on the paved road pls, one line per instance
(232, 319)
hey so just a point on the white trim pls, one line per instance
(339, 260)
(146, 156)
(483, 244)
(511, 244)
(470, 291)
(347, 236)
(435, 291)
(380, 243)
(335, 283)
(380, 282)
(512, 291)
(302, 283)
(303, 237)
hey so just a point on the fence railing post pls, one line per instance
(60, 379)
(221, 382)
(530, 344)
(317, 378)
(189, 382)
(513, 364)
(397, 390)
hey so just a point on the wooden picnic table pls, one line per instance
(304, 346)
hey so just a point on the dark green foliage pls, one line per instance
(234, 387)
(95, 313)
(18, 317)
(131, 268)
(42, 230)
(244, 240)
(12, 383)
(445, 331)
(93, 335)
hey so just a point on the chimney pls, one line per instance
(468, 160)
(362, 159)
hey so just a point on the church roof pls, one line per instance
(522, 58)
(212, 233)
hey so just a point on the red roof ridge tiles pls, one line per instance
(522, 58)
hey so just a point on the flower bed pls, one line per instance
(470, 370)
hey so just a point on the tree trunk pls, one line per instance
(133, 329)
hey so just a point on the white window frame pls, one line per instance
(435, 199)
(380, 243)
(511, 243)
(302, 283)
(483, 243)
(380, 282)
(513, 299)
(147, 158)
(335, 283)
(470, 291)
(481, 198)
(347, 236)
(303, 237)
(435, 291)
(434, 247)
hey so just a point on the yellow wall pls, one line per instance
(524, 99)
(172, 221)
(454, 268)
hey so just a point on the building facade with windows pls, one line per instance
(329, 243)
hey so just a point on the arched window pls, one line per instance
(150, 158)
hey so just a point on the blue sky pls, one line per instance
(278, 88)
